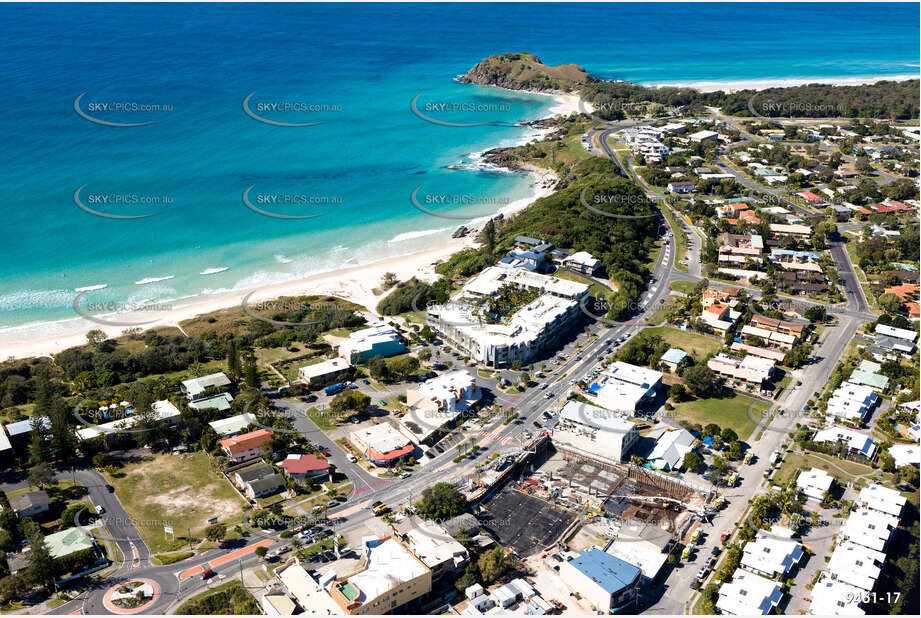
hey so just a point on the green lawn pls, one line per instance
(179, 491)
(841, 469)
(732, 412)
(226, 599)
(681, 240)
(685, 287)
(695, 344)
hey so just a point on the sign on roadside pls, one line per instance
(213, 520)
(168, 529)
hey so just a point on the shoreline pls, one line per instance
(733, 85)
(354, 283)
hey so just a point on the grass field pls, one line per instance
(695, 344)
(732, 412)
(681, 240)
(841, 469)
(181, 491)
(685, 287)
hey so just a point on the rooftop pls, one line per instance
(609, 572)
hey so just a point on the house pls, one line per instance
(582, 262)
(6, 447)
(584, 428)
(704, 136)
(382, 444)
(265, 486)
(20, 431)
(252, 473)
(164, 411)
(862, 377)
(882, 499)
(779, 326)
(772, 554)
(681, 187)
(882, 329)
(870, 529)
(322, 373)
(379, 340)
(68, 542)
(246, 446)
(30, 504)
(834, 598)
(303, 467)
(304, 589)
(857, 443)
(277, 605)
(814, 483)
(606, 582)
(856, 565)
(775, 355)
(796, 231)
(751, 370)
(199, 388)
(769, 337)
(672, 358)
(906, 455)
(670, 449)
(852, 401)
(233, 425)
(749, 594)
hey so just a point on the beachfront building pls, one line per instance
(323, 373)
(606, 582)
(378, 340)
(437, 402)
(599, 433)
(382, 444)
(582, 262)
(163, 412)
(749, 594)
(471, 324)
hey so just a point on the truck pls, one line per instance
(332, 389)
(748, 457)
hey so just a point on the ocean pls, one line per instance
(213, 88)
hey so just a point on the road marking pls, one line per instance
(493, 435)
(225, 558)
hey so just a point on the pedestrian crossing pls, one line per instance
(494, 435)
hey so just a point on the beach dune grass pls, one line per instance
(179, 491)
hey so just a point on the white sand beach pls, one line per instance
(762, 84)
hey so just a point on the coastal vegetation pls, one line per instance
(614, 100)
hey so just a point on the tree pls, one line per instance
(38, 444)
(425, 354)
(735, 449)
(728, 435)
(41, 568)
(700, 380)
(95, 337)
(441, 501)
(890, 302)
(63, 438)
(886, 462)
(216, 532)
(469, 578)
(489, 239)
(261, 552)
(251, 373)
(692, 461)
(13, 587)
(678, 393)
(492, 563)
(40, 475)
(816, 313)
(909, 474)
(379, 369)
(233, 358)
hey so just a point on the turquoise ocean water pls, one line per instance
(354, 69)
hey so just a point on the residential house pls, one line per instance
(205, 386)
(303, 467)
(670, 449)
(30, 504)
(814, 483)
(323, 373)
(245, 446)
(773, 554)
(749, 594)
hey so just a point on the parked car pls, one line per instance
(207, 572)
(99, 509)
(406, 475)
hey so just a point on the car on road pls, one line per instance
(351, 458)
(723, 537)
(99, 509)
(354, 420)
(406, 475)
(207, 572)
(366, 381)
(548, 396)
(109, 488)
(332, 503)
(702, 573)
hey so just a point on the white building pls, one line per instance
(379, 340)
(704, 136)
(748, 594)
(870, 529)
(898, 333)
(856, 565)
(582, 262)
(465, 322)
(882, 499)
(751, 370)
(624, 387)
(599, 432)
(381, 444)
(906, 455)
(325, 372)
(857, 442)
(670, 449)
(834, 598)
(436, 402)
(852, 401)
(770, 555)
(195, 388)
(163, 411)
(814, 483)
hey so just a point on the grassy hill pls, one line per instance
(526, 72)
